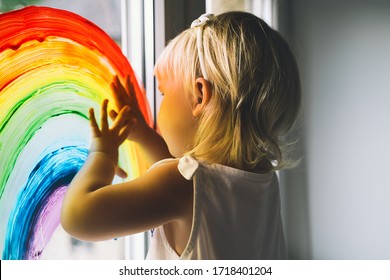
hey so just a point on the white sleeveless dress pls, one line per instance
(236, 215)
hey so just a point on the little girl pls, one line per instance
(231, 93)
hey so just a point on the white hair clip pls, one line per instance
(199, 23)
(201, 20)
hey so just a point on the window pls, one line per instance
(139, 27)
(142, 41)
(107, 15)
(265, 9)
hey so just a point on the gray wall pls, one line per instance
(336, 205)
(179, 15)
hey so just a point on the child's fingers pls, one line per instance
(103, 115)
(117, 88)
(113, 115)
(130, 86)
(126, 130)
(120, 172)
(121, 119)
(131, 97)
(121, 96)
(93, 123)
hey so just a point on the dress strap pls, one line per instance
(187, 166)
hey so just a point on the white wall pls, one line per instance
(337, 203)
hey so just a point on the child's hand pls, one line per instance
(107, 140)
(125, 96)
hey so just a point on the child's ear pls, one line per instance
(202, 96)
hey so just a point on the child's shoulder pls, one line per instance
(165, 162)
(185, 166)
(167, 174)
(166, 188)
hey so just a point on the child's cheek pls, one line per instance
(177, 128)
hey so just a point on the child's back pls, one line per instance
(236, 216)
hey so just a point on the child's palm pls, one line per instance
(125, 96)
(108, 139)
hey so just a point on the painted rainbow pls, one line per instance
(54, 66)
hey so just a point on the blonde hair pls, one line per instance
(255, 89)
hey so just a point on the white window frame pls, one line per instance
(143, 39)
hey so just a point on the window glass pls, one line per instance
(265, 9)
(107, 15)
(104, 13)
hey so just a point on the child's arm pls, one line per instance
(151, 143)
(93, 209)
